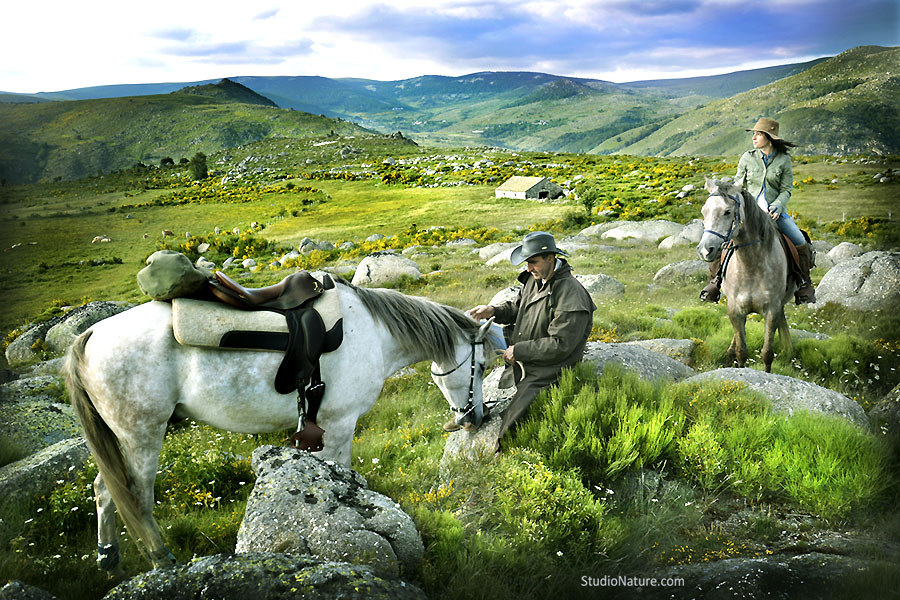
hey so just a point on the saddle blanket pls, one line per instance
(203, 323)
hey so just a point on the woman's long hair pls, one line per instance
(780, 145)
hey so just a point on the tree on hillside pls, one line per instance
(197, 167)
(588, 196)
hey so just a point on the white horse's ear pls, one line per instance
(483, 330)
(708, 184)
(739, 182)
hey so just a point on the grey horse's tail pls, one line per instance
(784, 333)
(102, 441)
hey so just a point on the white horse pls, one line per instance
(756, 280)
(127, 376)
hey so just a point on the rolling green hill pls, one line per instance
(847, 104)
(69, 140)
(228, 91)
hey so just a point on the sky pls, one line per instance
(51, 45)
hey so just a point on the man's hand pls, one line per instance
(483, 311)
(508, 355)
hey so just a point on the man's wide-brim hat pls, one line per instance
(767, 126)
(533, 244)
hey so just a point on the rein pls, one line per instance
(470, 406)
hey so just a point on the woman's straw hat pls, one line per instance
(767, 126)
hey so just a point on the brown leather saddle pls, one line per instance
(793, 258)
(790, 253)
(303, 345)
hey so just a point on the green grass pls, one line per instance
(609, 474)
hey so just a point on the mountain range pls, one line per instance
(849, 103)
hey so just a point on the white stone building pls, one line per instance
(538, 188)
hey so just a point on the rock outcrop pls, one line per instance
(304, 505)
(789, 395)
(263, 575)
(867, 282)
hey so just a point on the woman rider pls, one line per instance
(769, 178)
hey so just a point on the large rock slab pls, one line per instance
(844, 251)
(680, 350)
(785, 576)
(382, 268)
(601, 228)
(78, 320)
(885, 415)
(38, 474)
(600, 285)
(505, 295)
(789, 395)
(822, 248)
(868, 282)
(492, 250)
(26, 347)
(644, 231)
(33, 415)
(501, 258)
(57, 333)
(17, 590)
(686, 272)
(301, 504)
(688, 236)
(646, 363)
(263, 576)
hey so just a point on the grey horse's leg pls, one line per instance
(768, 350)
(738, 350)
(108, 557)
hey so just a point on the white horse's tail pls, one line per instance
(102, 441)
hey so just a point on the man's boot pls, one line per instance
(806, 293)
(711, 292)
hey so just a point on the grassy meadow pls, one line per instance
(608, 475)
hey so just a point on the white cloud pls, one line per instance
(59, 45)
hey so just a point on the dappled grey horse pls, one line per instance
(127, 376)
(756, 280)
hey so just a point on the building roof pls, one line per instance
(517, 183)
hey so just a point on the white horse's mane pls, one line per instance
(415, 321)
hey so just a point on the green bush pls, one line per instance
(602, 427)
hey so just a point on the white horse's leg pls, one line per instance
(108, 557)
(141, 449)
(339, 441)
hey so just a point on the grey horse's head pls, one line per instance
(722, 216)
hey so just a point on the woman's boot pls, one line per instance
(806, 293)
(711, 292)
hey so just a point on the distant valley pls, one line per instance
(846, 104)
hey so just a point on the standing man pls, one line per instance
(551, 317)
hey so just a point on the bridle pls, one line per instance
(734, 226)
(470, 405)
(735, 220)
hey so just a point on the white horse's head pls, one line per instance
(461, 380)
(722, 215)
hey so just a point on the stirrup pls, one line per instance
(805, 295)
(710, 293)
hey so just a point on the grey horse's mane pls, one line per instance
(416, 322)
(756, 220)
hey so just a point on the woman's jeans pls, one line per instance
(787, 226)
